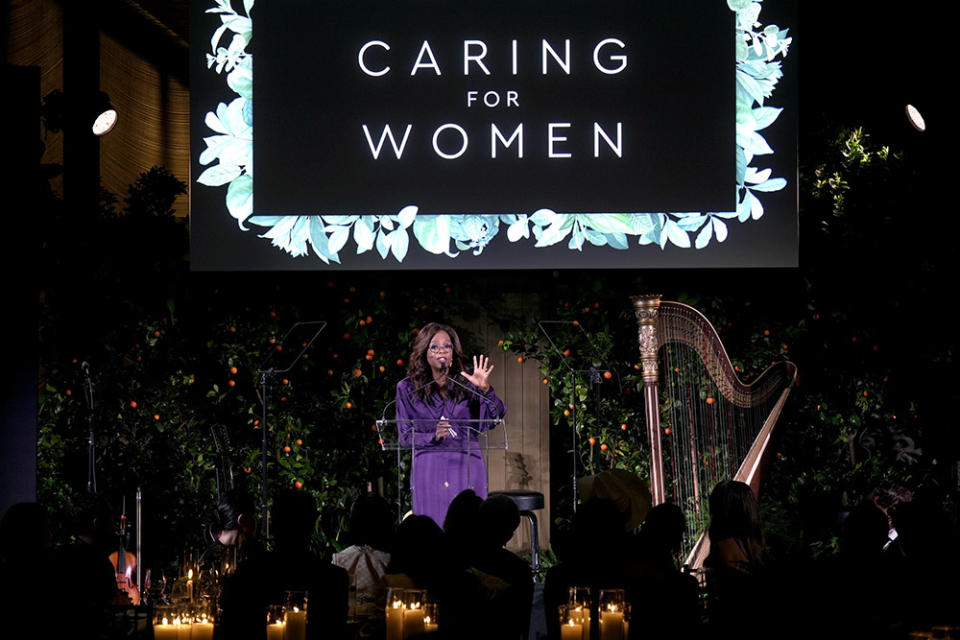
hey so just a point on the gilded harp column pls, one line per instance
(646, 309)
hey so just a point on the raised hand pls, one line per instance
(481, 373)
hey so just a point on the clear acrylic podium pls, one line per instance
(475, 437)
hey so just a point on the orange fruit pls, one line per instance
(592, 441)
(603, 447)
(233, 370)
(710, 400)
(607, 375)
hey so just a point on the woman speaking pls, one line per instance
(438, 404)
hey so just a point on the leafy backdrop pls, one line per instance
(174, 352)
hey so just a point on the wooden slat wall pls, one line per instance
(525, 465)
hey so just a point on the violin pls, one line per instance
(125, 563)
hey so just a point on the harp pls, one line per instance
(704, 424)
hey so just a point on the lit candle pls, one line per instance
(429, 625)
(296, 625)
(190, 585)
(183, 628)
(201, 630)
(164, 631)
(581, 615)
(413, 620)
(571, 631)
(275, 630)
(611, 624)
(395, 621)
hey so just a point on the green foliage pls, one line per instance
(163, 344)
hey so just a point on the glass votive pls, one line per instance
(580, 596)
(413, 612)
(295, 615)
(394, 613)
(275, 625)
(574, 622)
(430, 620)
(201, 627)
(163, 622)
(612, 614)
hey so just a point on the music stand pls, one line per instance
(474, 435)
(281, 359)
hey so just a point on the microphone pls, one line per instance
(85, 367)
(443, 367)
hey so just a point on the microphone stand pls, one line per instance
(594, 379)
(91, 441)
(266, 374)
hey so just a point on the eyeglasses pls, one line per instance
(437, 348)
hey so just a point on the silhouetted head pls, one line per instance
(735, 513)
(598, 523)
(372, 522)
(499, 518)
(461, 521)
(418, 550)
(864, 531)
(664, 527)
(293, 518)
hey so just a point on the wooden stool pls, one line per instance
(527, 502)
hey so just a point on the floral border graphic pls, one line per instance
(229, 154)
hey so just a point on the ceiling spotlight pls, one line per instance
(105, 115)
(915, 118)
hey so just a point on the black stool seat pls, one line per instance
(527, 502)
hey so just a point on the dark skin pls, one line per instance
(438, 357)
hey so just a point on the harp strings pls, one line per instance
(705, 435)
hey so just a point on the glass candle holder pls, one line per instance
(612, 603)
(430, 620)
(163, 622)
(295, 615)
(394, 613)
(574, 622)
(413, 612)
(275, 624)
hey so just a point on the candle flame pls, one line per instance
(190, 574)
(426, 620)
(164, 621)
(397, 604)
(296, 610)
(570, 621)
